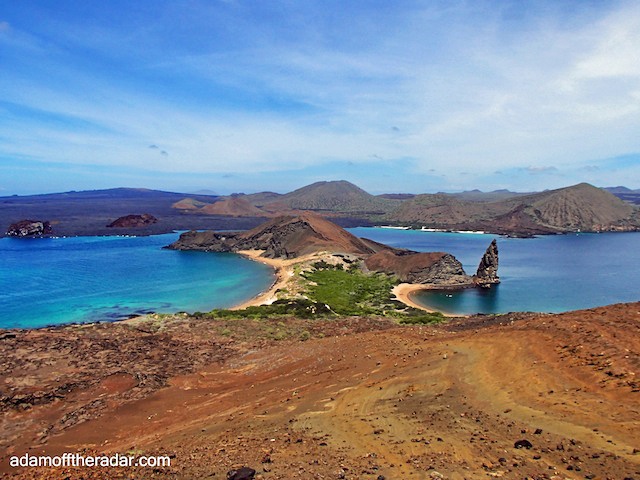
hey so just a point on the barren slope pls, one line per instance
(414, 402)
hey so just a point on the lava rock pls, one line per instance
(523, 444)
(487, 273)
(244, 473)
(29, 228)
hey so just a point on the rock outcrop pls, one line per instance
(133, 221)
(487, 273)
(29, 228)
(434, 268)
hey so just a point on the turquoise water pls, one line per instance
(84, 279)
(553, 273)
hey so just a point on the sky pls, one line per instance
(245, 96)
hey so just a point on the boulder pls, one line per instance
(29, 228)
(243, 473)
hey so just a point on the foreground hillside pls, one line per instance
(352, 398)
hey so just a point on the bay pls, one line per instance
(552, 273)
(49, 281)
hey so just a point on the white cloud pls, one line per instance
(451, 87)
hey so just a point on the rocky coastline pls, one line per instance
(286, 240)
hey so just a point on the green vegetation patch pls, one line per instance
(355, 293)
(351, 292)
(333, 291)
(299, 308)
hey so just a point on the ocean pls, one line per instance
(85, 279)
(552, 273)
(48, 281)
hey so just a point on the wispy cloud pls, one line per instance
(227, 88)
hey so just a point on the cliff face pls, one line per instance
(29, 228)
(437, 268)
(487, 273)
(204, 242)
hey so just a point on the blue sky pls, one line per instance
(401, 96)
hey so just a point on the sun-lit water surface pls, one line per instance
(552, 273)
(83, 279)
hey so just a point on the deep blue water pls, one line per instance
(553, 273)
(83, 279)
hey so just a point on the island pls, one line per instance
(297, 244)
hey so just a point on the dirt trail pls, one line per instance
(415, 402)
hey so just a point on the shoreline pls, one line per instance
(405, 291)
(283, 273)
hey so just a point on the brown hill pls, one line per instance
(261, 198)
(233, 207)
(580, 207)
(438, 210)
(188, 204)
(337, 197)
(282, 237)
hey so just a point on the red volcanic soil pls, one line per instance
(360, 399)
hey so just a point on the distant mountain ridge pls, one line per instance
(626, 194)
(581, 207)
(337, 196)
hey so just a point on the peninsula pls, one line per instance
(312, 242)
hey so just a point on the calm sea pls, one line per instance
(552, 273)
(83, 279)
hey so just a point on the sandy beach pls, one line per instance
(283, 270)
(284, 274)
(404, 291)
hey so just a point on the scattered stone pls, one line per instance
(244, 473)
(523, 444)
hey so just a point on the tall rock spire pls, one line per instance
(487, 273)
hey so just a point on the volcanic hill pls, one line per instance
(282, 237)
(290, 237)
(581, 207)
